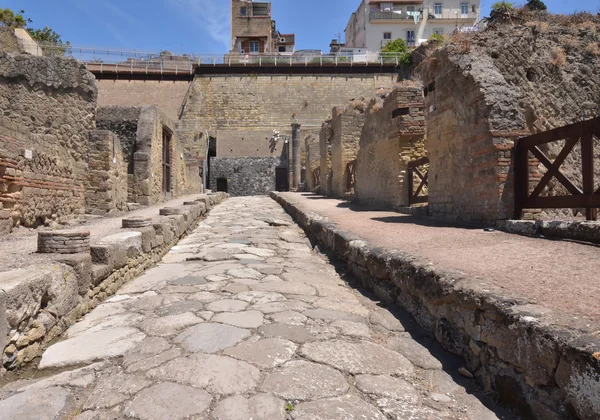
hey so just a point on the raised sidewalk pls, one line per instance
(522, 312)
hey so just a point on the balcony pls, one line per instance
(395, 15)
(453, 15)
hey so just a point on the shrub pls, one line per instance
(437, 37)
(499, 5)
(593, 49)
(535, 5)
(559, 58)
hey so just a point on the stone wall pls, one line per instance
(245, 175)
(347, 123)
(313, 160)
(388, 144)
(106, 190)
(481, 96)
(167, 95)
(123, 121)
(325, 138)
(9, 41)
(49, 106)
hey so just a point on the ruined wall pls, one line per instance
(49, 106)
(347, 123)
(313, 161)
(245, 175)
(325, 137)
(167, 95)
(481, 96)
(106, 190)
(9, 41)
(388, 144)
(123, 121)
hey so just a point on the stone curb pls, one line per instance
(38, 304)
(543, 361)
(578, 231)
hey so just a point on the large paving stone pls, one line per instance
(402, 410)
(217, 374)
(413, 351)
(244, 273)
(347, 407)
(87, 348)
(258, 407)
(35, 404)
(356, 358)
(149, 347)
(180, 307)
(388, 387)
(273, 307)
(168, 401)
(86, 326)
(288, 317)
(154, 361)
(226, 305)
(296, 333)
(285, 287)
(265, 354)
(246, 319)
(257, 297)
(113, 389)
(329, 315)
(336, 303)
(302, 380)
(211, 337)
(387, 320)
(81, 378)
(354, 329)
(169, 325)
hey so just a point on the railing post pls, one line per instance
(521, 178)
(587, 168)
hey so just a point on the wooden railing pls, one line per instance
(316, 178)
(419, 168)
(587, 197)
(350, 175)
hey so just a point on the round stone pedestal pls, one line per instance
(136, 222)
(191, 203)
(64, 242)
(169, 211)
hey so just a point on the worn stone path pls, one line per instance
(242, 320)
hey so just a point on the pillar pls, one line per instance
(296, 166)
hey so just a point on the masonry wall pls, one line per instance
(347, 123)
(482, 96)
(106, 190)
(313, 161)
(325, 138)
(245, 175)
(49, 106)
(388, 144)
(9, 41)
(169, 96)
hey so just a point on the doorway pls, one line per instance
(212, 152)
(282, 182)
(166, 163)
(222, 184)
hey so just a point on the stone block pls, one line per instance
(100, 272)
(64, 242)
(148, 238)
(519, 227)
(136, 222)
(3, 322)
(205, 201)
(164, 227)
(179, 224)
(168, 211)
(82, 265)
(581, 231)
(116, 249)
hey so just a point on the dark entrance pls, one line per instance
(212, 152)
(222, 184)
(166, 162)
(282, 182)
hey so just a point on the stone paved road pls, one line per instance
(241, 321)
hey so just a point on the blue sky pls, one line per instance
(201, 25)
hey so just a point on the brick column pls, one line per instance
(296, 166)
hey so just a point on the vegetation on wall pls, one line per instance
(535, 5)
(397, 48)
(503, 5)
(52, 43)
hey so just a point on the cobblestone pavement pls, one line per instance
(242, 320)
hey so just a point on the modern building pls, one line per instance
(254, 32)
(375, 23)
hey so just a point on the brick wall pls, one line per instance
(167, 95)
(106, 191)
(47, 115)
(388, 144)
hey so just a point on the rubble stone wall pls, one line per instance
(347, 123)
(481, 96)
(49, 106)
(245, 175)
(313, 160)
(9, 41)
(106, 190)
(325, 138)
(387, 145)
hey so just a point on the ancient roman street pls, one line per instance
(244, 320)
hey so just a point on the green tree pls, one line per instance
(501, 5)
(536, 5)
(12, 19)
(396, 48)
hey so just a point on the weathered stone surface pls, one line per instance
(114, 389)
(80, 378)
(329, 315)
(210, 337)
(273, 307)
(296, 333)
(387, 387)
(86, 348)
(257, 297)
(354, 329)
(347, 407)
(301, 380)
(246, 319)
(258, 407)
(355, 358)
(288, 317)
(226, 305)
(400, 410)
(42, 404)
(285, 287)
(413, 351)
(168, 401)
(386, 320)
(216, 374)
(169, 325)
(265, 354)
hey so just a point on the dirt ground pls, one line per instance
(561, 275)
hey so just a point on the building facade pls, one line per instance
(254, 32)
(375, 23)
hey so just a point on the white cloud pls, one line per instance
(210, 16)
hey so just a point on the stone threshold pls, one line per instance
(39, 303)
(555, 229)
(542, 361)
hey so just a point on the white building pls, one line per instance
(375, 23)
